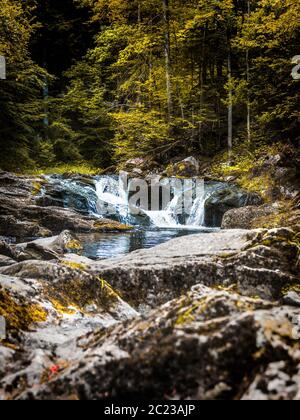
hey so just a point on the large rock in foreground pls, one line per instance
(73, 336)
(257, 262)
(205, 345)
(47, 307)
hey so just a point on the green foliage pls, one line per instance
(80, 168)
(21, 104)
(130, 51)
(245, 164)
(154, 81)
(80, 126)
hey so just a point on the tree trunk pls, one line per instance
(166, 13)
(202, 70)
(248, 86)
(230, 106)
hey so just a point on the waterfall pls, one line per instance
(166, 218)
(197, 215)
(109, 198)
(113, 200)
(73, 194)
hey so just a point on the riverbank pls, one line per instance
(217, 313)
(219, 318)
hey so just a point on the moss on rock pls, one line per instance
(74, 245)
(110, 226)
(74, 265)
(81, 292)
(19, 315)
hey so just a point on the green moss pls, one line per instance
(108, 290)
(37, 186)
(170, 170)
(111, 226)
(62, 309)
(291, 288)
(74, 245)
(82, 169)
(20, 315)
(225, 255)
(186, 316)
(79, 293)
(74, 265)
(244, 165)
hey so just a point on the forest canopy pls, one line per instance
(103, 81)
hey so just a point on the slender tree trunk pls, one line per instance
(249, 134)
(139, 17)
(202, 87)
(248, 100)
(46, 97)
(166, 13)
(230, 106)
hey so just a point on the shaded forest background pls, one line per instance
(102, 81)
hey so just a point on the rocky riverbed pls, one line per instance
(203, 316)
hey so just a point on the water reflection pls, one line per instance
(107, 245)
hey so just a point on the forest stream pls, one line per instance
(151, 228)
(149, 201)
(104, 281)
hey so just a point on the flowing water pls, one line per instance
(107, 197)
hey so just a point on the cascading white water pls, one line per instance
(165, 218)
(113, 199)
(197, 215)
(110, 199)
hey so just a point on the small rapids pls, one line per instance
(108, 197)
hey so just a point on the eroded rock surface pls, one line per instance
(245, 217)
(258, 262)
(207, 316)
(47, 307)
(204, 345)
(22, 217)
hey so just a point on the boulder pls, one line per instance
(225, 199)
(188, 168)
(204, 346)
(139, 167)
(71, 285)
(52, 248)
(291, 298)
(48, 248)
(245, 217)
(277, 382)
(49, 220)
(22, 218)
(46, 314)
(19, 228)
(6, 359)
(7, 250)
(211, 332)
(257, 263)
(6, 261)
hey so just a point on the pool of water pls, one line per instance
(108, 245)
